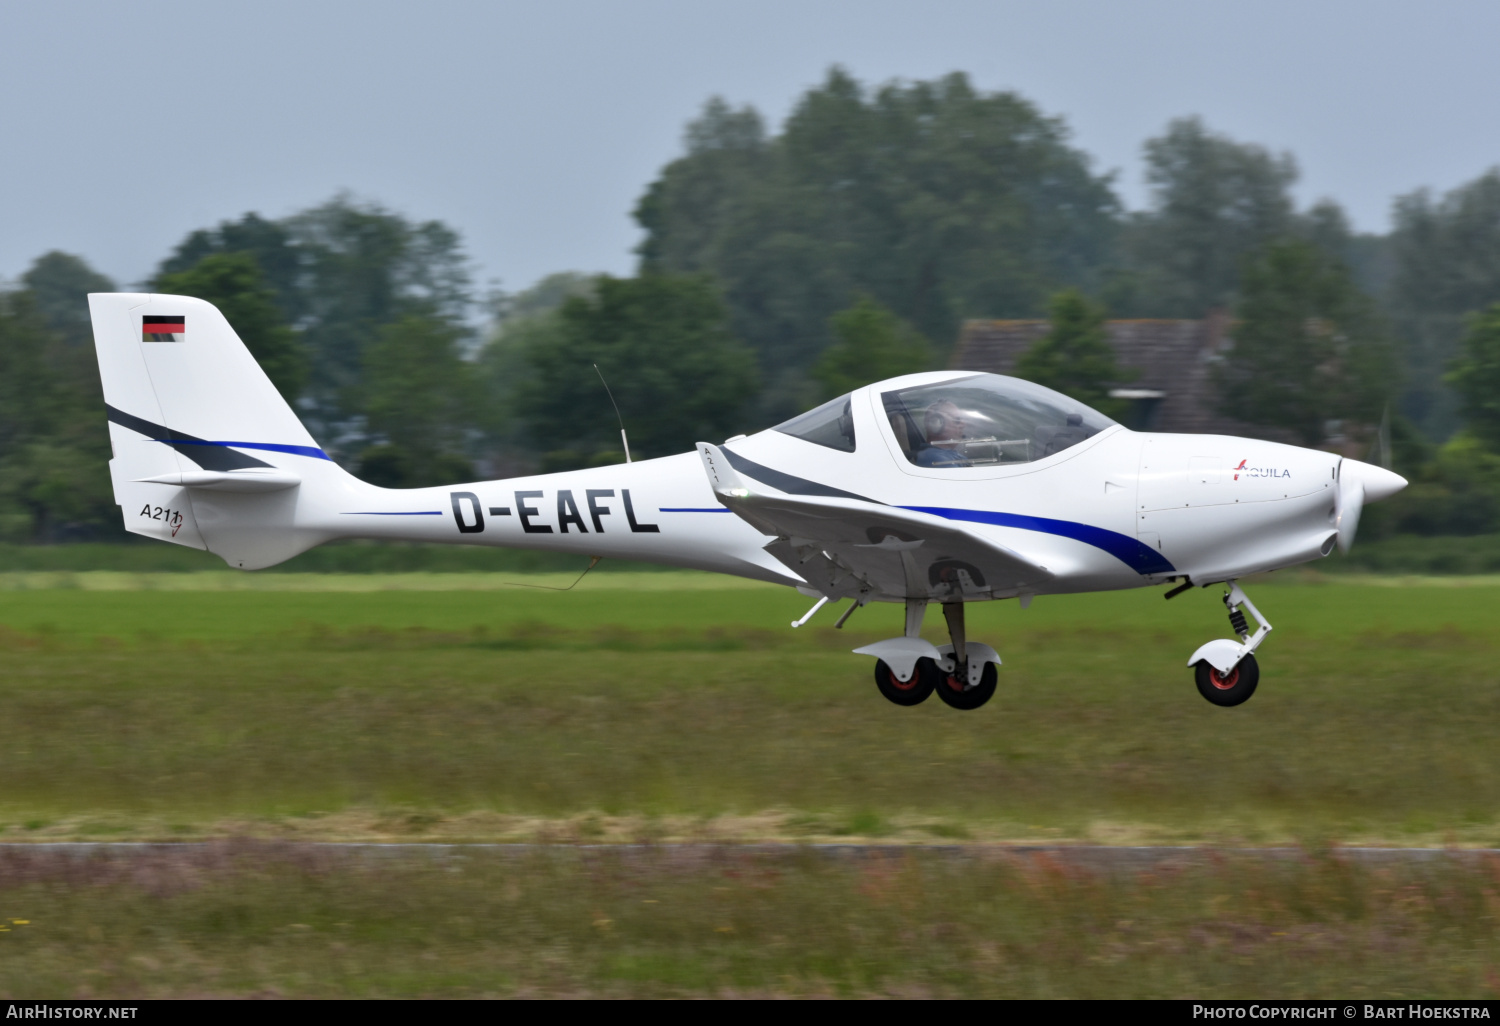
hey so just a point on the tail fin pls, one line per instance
(200, 435)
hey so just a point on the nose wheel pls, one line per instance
(1230, 688)
(1226, 671)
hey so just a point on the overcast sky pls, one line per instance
(533, 127)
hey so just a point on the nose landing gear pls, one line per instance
(1226, 672)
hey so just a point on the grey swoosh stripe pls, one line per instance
(789, 483)
(202, 452)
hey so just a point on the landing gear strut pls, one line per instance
(955, 684)
(1226, 672)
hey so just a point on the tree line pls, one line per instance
(779, 269)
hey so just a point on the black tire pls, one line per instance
(1229, 689)
(954, 689)
(912, 692)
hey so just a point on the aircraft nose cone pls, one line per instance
(1377, 482)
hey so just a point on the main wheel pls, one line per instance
(955, 692)
(1230, 688)
(909, 692)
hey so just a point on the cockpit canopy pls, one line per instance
(986, 420)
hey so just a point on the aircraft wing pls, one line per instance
(846, 545)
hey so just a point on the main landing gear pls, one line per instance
(1226, 672)
(909, 669)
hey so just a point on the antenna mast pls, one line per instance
(623, 440)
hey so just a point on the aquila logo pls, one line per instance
(1259, 471)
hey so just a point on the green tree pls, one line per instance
(56, 488)
(342, 271)
(366, 267)
(664, 345)
(543, 297)
(233, 282)
(275, 252)
(54, 446)
(1309, 347)
(688, 210)
(870, 343)
(1075, 356)
(1447, 266)
(60, 284)
(1213, 200)
(1475, 376)
(524, 321)
(420, 395)
(31, 390)
(935, 199)
(1370, 258)
(1455, 492)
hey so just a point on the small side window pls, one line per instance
(831, 424)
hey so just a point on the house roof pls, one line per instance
(1174, 358)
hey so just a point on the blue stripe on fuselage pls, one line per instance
(1141, 558)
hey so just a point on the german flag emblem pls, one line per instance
(163, 329)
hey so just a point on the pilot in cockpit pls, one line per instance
(986, 420)
(943, 422)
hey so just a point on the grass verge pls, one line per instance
(240, 919)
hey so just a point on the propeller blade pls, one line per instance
(1351, 502)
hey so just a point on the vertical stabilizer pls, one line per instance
(206, 452)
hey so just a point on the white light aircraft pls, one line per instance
(949, 487)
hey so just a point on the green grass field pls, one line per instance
(682, 706)
(662, 707)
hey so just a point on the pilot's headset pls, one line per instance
(935, 420)
(846, 421)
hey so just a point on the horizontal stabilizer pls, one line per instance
(256, 479)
